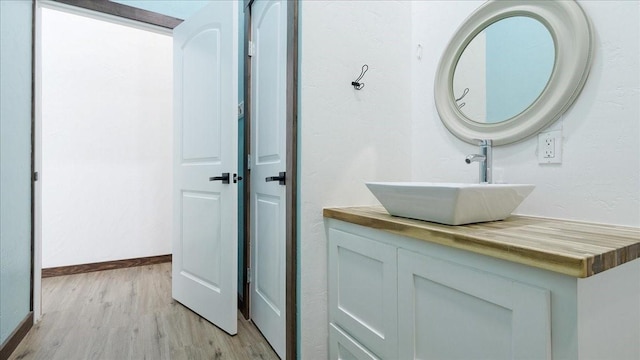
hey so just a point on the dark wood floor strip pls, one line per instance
(16, 337)
(107, 265)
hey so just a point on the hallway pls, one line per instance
(129, 314)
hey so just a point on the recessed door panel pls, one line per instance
(268, 71)
(267, 238)
(201, 96)
(201, 238)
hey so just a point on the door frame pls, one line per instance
(291, 190)
(109, 11)
(148, 17)
(124, 14)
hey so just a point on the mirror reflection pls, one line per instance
(503, 70)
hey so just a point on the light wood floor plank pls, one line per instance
(129, 314)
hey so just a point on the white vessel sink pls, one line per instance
(450, 203)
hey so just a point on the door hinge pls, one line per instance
(241, 110)
(248, 161)
(35, 176)
(249, 279)
(251, 49)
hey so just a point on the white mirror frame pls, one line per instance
(573, 39)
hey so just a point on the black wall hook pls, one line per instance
(357, 84)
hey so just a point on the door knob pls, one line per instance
(224, 178)
(279, 179)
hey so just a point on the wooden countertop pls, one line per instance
(573, 248)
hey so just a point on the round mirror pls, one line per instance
(503, 70)
(512, 68)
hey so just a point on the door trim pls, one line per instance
(102, 9)
(291, 265)
(244, 304)
(125, 11)
(33, 159)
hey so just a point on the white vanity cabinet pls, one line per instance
(399, 297)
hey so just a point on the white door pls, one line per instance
(268, 154)
(205, 152)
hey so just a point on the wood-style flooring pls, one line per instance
(129, 314)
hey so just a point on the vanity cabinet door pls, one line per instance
(450, 311)
(363, 293)
(343, 347)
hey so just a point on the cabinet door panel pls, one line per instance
(363, 291)
(450, 311)
(343, 347)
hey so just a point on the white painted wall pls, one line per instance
(347, 136)
(599, 178)
(106, 138)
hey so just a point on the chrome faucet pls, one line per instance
(485, 160)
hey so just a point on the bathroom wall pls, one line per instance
(599, 178)
(106, 140)
(15, 164)
(347, 136)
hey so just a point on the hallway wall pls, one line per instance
(106, 139)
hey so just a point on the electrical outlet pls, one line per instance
(550, 147)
